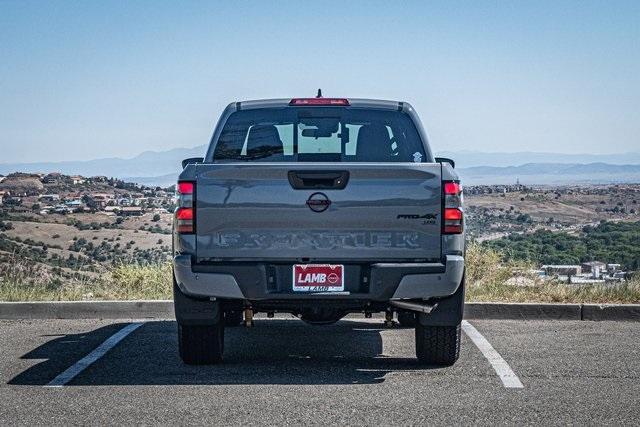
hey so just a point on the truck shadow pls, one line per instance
(273, 352)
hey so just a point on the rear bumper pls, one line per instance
(380, 281)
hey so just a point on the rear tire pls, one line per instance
(201, 344)
(407, 319)
(437, 345)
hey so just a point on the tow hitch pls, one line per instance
(248, 317)
(388, 319)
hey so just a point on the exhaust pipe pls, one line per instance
(413, 306)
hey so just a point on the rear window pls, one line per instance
(319, 134)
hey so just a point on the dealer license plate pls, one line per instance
(318, 277)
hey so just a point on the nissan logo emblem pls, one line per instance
(318, 202)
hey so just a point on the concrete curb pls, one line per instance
(164, 310)
(87, 310)
(522, 311)
(611, 312)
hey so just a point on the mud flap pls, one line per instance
(190, 311)
(448, 312)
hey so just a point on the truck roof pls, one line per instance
(353, 102)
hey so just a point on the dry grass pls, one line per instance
(23, 280)
(141, 282)
(490, 279)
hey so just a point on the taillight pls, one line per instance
(185, 187)
(452, 188)
(453, 215)
(185, 213)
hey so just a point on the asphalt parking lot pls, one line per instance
(286, 372)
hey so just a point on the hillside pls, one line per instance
(498, 210)
(615, 242)
(82, 223)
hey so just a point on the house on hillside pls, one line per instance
(73, 204)
(61, 209)
(562, 270)
(139, 201)
(130, 211)
(124, 201)
(102, 199)
(11, 199)
(52, 178)
(596, 268)
(77, 179)
(47, 209)
(49, 198)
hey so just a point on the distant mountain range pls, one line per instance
(162, 168)
(146, 164)
(467, 159)
(551, 173)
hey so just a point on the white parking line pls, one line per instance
(508, 377)
(96, 354)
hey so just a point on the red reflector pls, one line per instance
(452, 188)
(319, 101)
(185, 228)
(184, 214)
(452, 214)
(184, 221)
(185, 187)
(452, 229)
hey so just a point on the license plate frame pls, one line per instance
(308, 278)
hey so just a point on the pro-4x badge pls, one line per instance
(429, 218)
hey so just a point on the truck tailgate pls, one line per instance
(253, 212)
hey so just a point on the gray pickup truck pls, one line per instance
(318, 207)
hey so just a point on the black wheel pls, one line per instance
(437, 345)
(201, 344)
(232, 318)
(407, 319)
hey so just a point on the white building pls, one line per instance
(77, 179)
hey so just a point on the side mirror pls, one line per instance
(191, 160)
(446, 160)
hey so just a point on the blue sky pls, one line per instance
(89, 79)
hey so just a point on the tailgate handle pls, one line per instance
(318, 180)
